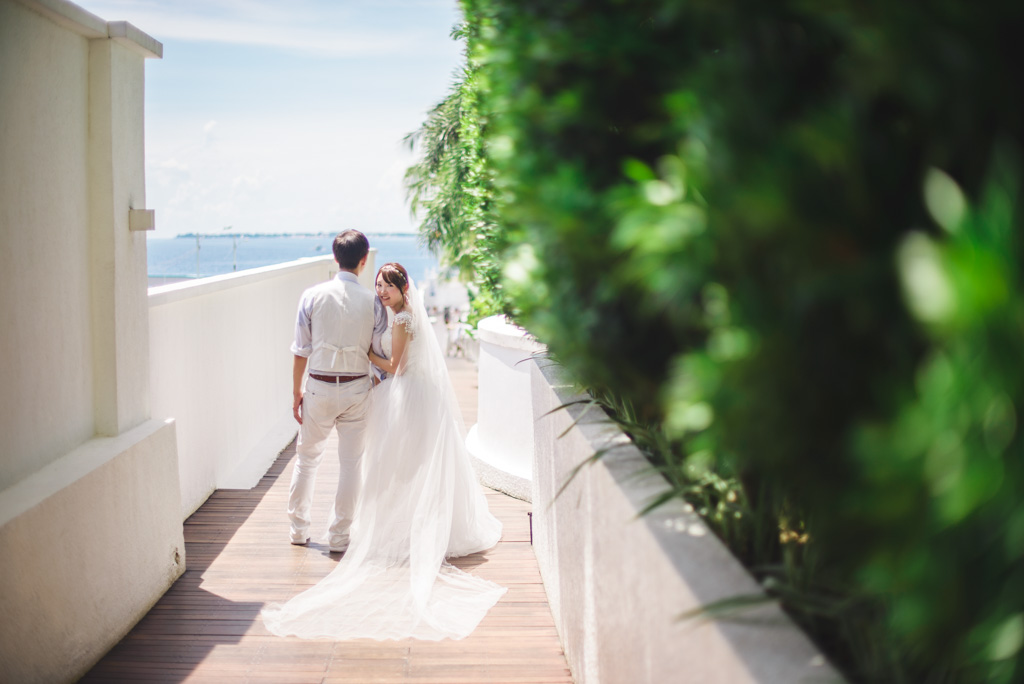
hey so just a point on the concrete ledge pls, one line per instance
(130, 36)
(86, 24)
(70, 16)
(187, 289)
(87, 546)
(617, 583)
(499, 331)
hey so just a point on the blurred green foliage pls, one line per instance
(783, 241)
(451, 192)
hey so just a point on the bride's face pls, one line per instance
(389, 294)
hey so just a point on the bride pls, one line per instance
(419, 504)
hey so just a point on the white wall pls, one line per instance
(221, 368)
(117, 184)
(90, 525)
(46, 400)
(617, 581)
(87, 546)
(501, 442)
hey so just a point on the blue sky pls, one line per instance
(271, 116)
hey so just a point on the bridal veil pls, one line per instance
(419, 505)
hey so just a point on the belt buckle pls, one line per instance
(339, 379)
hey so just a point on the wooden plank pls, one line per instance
(207, 627)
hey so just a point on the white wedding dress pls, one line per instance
(419, 504)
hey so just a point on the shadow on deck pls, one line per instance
(207, 627)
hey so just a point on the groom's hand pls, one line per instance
(297, 407)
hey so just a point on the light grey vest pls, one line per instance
(341, 323)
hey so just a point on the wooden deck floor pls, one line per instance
(207, 628)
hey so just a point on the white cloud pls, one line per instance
(326, 28)
(245, 183)
(258, 183)
(270, 142)
(171, 164)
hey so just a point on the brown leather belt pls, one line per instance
(337, 379)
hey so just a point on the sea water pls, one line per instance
(181, 258)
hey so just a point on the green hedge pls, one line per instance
(783, 237)
(451, 190)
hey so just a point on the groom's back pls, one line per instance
(342, 327)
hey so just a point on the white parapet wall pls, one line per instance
(221, 367)
(89, 544)
(90, 519)
(501, 442)
(618, 582)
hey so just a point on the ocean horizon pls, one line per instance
(187, 257)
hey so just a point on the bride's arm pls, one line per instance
(382, 363)
(398, 342)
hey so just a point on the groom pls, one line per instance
(335, 326)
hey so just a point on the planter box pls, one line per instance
(617, 583)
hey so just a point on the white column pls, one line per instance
(119, 285)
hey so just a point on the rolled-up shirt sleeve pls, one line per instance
(380, 324)
(303, 343)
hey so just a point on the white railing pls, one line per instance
(220, 366)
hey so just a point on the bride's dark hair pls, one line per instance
(395, 274)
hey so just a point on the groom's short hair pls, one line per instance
(350, 246)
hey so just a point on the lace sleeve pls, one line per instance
(404, 318)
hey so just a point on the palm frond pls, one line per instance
(566, 405)
(727, 609)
